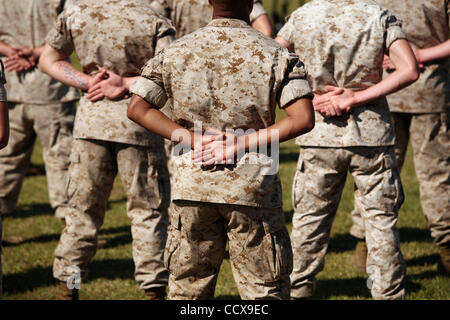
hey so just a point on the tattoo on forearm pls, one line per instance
(71, 75)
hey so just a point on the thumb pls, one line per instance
(331, 88)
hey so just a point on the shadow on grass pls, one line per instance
(422, 261)
(414, 234)
(28, 280)
(111, 269)
(30, 210)
(288, 157)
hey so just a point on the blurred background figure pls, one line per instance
(39, 106)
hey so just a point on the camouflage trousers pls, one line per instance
(318, 184)
(259, 248)
(430, 140)
(143, 172)
(53, 125)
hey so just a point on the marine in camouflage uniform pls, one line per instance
(342, 42)
(202, 76)
(421, 115)
(107, 142)
(3, 99)
(187, 16)
(38, 106)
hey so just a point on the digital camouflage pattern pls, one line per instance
(429, 136)
(38, 105)
(318, 183)
(259, 248)
(244, 76)
(25, 23)
(52, 124)
(426, 24)
(189, 15)
(421, 114)
(143, 172)
(104, 36)
(346, 51)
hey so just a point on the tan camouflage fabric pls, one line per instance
(25, 23)
(259, 248)
(318, 183)
(430, 140)
(427, 24)
(189, 15)
(104, 36)
(342, 43)
(52, 124)
(243, 75)
(143, 172)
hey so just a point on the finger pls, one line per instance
(94, 92)
(97, 97)
(97, 86)
(331, 88)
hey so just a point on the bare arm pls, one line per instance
(432, 54)
(4, 124)
(285, 44)
(149, 117)
(53, 63)
(224, 147)
(113, 87)
(406, 72)
(263, 25)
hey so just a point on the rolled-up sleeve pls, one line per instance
(59, 37)
(150, 85)
(258, 10)
(393, 28)
(294, 83)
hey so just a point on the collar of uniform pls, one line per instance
(227, 22)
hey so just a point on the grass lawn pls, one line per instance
(27, 267)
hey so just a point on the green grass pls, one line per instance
(27, 267)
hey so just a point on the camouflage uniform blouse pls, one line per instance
(426, 23)
(190, 15)
(25, 23)
(2, 82)
(226, 76)
(342, 43)
(119, 35)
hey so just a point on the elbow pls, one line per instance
(132, 111)
(412, 74)
(310, 123)
(43, 64)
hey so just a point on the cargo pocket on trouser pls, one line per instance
(172, 244)
(392, 185)
(297, 185)
(158, 179)
(73, 172)
(271, 260)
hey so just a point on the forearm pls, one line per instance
(406, 72)
(128, 81)
(54, 64)
(396, 81)
(300, 120)
(4, 124)
(432, 54)
(5, 49)
(263, 25)
(141, 112)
